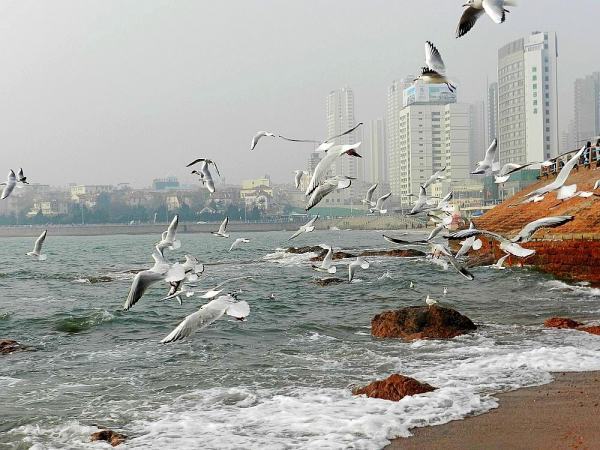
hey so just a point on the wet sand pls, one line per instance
(562, 415)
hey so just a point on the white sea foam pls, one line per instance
(557, 285)
(288, 259)
(81, 280)
(9, 381)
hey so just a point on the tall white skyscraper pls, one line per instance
(377, 152)
(492, 112)
(433, 131)
(340, 117)
(587, 108)
(478, 132)
(528, 99)
(395, 104)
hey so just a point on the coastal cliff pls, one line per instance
(571, 251)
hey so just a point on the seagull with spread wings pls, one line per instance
(495, 9)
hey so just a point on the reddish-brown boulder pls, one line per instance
(421, 322)
(394, 388)
(562, 322)
(110, 436)
(592, 330)
(9, 346)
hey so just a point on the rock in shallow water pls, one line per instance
(327, 281)
(9, 346)
(562, 322)
(421, 322)
(394, 388)
(110, 436)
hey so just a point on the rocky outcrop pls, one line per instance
(321, 252)
(323, 282)
(394, 388)
(112, 437)
(396, 252)
(562, 322)
(9, 346)
(592, 330)
(421, 322)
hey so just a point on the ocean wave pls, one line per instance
(288, 259)
(557, 285)
(78, 324)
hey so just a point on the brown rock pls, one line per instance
(9, 346)
(394, 388)
(110, 436)
(397, 252)
(561, 322)
(421, 322)
(336, 255)
(327, 281)
(593, 330)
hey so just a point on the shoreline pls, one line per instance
(562, 414)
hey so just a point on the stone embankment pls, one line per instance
(570, 252)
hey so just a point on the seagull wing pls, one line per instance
(239, 310)
(10, 185)
(344, 133)
(382, 199)
(207, 178)
(495, 9)
(140, 284)
(219, 286)
(321, 171)
(369, 196)
(322, 191)
(459, 268)
(403, 242)
(468, 20)
(433, 59)
(223, 226)
(327, 261)
(547, 222)
(196, 161)
(37, 247)
(172, 230)
(490, 153)
(202, 318)
(500, 263)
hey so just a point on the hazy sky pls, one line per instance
(107, 91)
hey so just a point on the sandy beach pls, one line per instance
(562, 415)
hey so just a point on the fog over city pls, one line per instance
(106, 91)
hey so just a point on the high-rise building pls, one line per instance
(377, 152)
(478, 140)
(340, 117)
(433, 132)
(395, 104)
(492, 112)
(587, 108)
(528, 99)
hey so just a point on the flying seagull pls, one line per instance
(507, 170)
(326, 144)
(379, 205)
(237, 242)
(422, 204)
(505, 245)
(434, 72)
(258, 136)
(354, 265)
(10, 184)
(332, 155)
(327, 263)
(488, 162)
(560, 180)
(37, 247)
(327, 187)
(307, 228)
(368, 200)
(222, 232)
(169, 237)
(161, 271)
(21, 178)
(207, 314)
(205, 161)
(298, 174)
(495, 9)
(469, 243)
(437, 176)
(204, 173)
(500, 263)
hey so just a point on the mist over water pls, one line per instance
(279, 380)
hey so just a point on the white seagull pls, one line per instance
(368, 200)
(437, 176)
(379, 205)
(495, 9)
(434, 72)
(204, 173)
(298, 174)
(488, 162)
(207, 314)
(507, 170)
(332, 155)
(469, 243)
(169, 237)
(430, 302)
(547, 222)
(21, 178)
(161, 271)
(505, 245)
(237, 242)
(354, 265)
(37, 247)
(423, 204)
(328, 143)
(309, 227)
(258, 136)
(222, 232)
(327, 187)
(560, 180)
(500, 263)
(10, 184)
(327, 263)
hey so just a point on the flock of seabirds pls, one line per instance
(180, 276)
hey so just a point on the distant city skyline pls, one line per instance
(110, 92)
